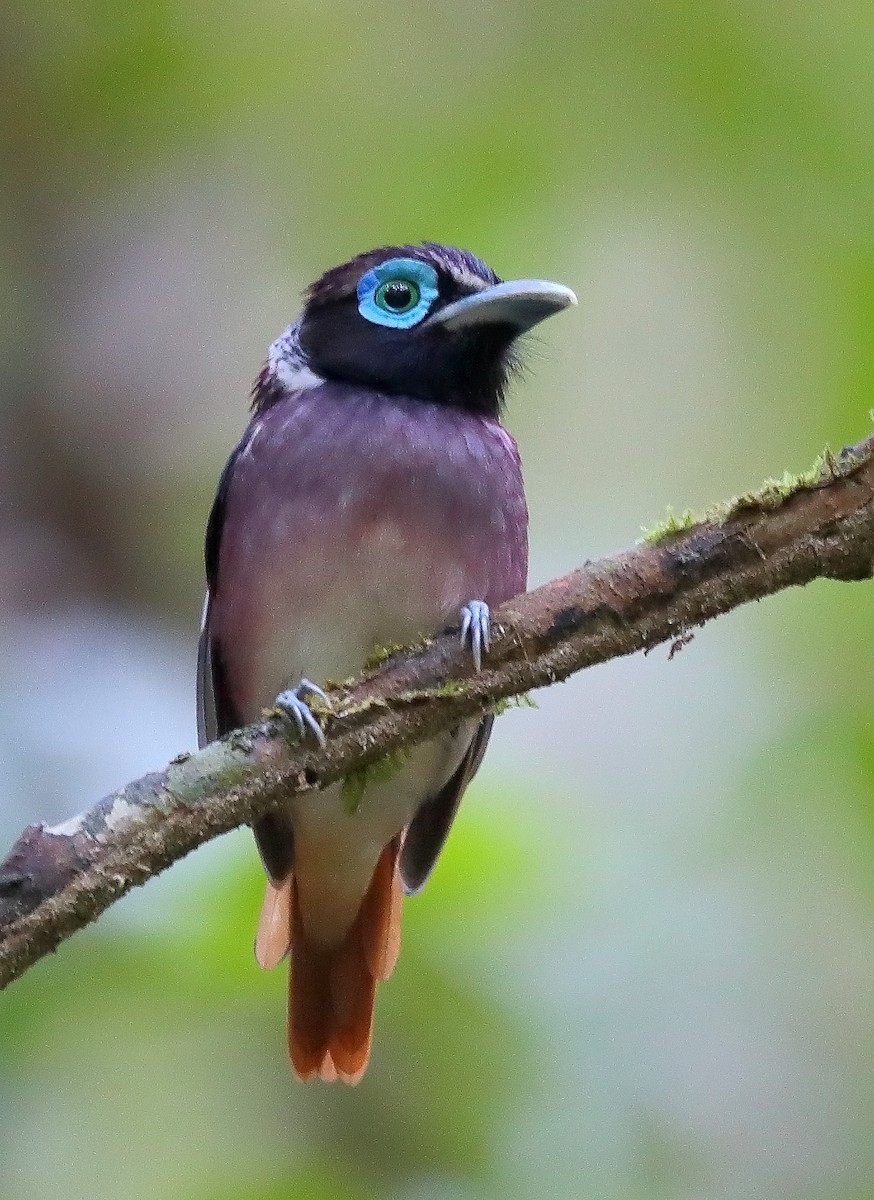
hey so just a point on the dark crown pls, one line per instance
(469, 272)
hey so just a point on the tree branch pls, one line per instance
(820, 524)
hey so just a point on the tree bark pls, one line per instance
(819, 524)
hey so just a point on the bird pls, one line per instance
(373, 498)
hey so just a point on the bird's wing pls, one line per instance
(207, 722)
(429, 828)
(215, 712)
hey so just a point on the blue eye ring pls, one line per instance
(375, 288)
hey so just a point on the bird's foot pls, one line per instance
(291, 702)
(476, 625)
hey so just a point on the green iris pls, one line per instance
(397, 295)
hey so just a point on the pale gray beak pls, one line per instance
(520, 303)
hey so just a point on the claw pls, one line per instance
(476, 629)
(294, 706)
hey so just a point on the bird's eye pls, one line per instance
(399, 293)
(397, 296)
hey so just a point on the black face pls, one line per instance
(370, 322)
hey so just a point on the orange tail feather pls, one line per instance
(332, 990)
(274, 925)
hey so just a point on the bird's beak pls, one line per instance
(521, 304)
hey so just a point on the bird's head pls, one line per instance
(426, 321)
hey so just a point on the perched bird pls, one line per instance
(373, 498)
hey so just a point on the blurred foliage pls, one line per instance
(646, 969)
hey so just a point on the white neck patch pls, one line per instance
(288, 363)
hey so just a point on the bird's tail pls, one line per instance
(332, 989)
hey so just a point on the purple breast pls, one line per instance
(355, 519)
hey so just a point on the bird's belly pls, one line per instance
(337, 845)
(383, 586)
(380, 587)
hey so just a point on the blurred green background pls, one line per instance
(645, 965)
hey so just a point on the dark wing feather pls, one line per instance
(429, 828)
(215, 712)
(207, 721)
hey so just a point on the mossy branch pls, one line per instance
(818, 524)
